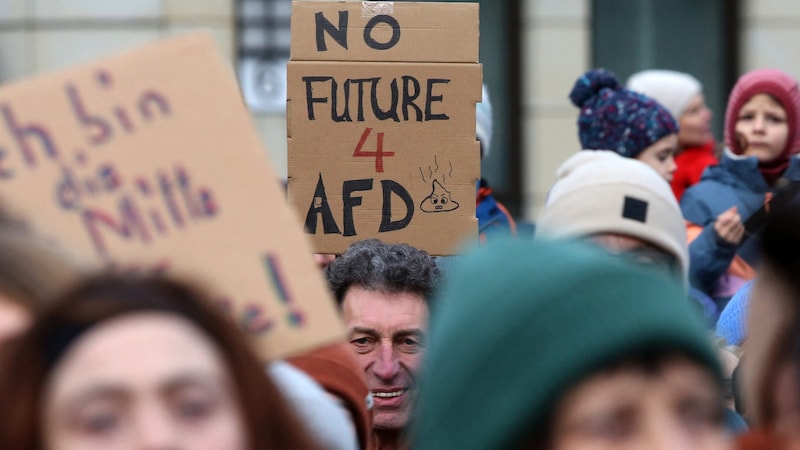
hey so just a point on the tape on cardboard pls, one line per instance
(372, 9)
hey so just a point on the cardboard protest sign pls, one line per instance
(381, 132)
(384, 31)
(149, 159)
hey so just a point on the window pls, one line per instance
(262, 49)
(697, 37)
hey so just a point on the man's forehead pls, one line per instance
(381, 294)
(384, 310)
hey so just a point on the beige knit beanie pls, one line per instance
(602, 192)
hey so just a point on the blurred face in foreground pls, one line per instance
(676, 406)
(143, 380)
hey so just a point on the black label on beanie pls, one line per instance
(635, 209)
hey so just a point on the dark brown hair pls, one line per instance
(379, 266)
(29, 360)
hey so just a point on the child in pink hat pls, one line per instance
(762, 136)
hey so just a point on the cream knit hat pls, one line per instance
(672, 89)
(602, 192)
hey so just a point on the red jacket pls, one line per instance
(760, 440)
(691, 162)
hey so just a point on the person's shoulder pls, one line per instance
(729, 176)
(793, 171)
(707, 189)
(708, 197)
(493, 217)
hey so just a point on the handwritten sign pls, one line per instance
(148, 160)
(385, 31)
(382, 141)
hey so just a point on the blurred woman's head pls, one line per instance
(138, 362)
(695, 123)
(682, 95)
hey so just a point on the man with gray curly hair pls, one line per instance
(383, 292)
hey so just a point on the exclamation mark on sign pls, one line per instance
(281, 289)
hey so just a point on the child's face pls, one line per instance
(661, 156)
(677, 406)
(762, 128)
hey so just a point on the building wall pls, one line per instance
(771, 35)
(42, 35)
(556, 50)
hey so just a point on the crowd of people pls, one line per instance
(655, 307)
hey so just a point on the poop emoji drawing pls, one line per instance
(439, 200)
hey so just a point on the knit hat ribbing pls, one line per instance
(732, 323)
(765, 81)
(672, 89)
(543, 318)
(598, 192)
(615, 118)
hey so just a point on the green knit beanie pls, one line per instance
(518, 323)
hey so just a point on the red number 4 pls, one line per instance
(378, 153)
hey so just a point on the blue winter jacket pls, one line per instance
(493, 217)
(734, 181)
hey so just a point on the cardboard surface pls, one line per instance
(149, 160)
(384, 31)
(424, 139)
(381, 128)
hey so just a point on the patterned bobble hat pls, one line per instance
(615, 118)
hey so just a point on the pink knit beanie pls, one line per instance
(765, 81)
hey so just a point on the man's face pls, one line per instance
(387, 331)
